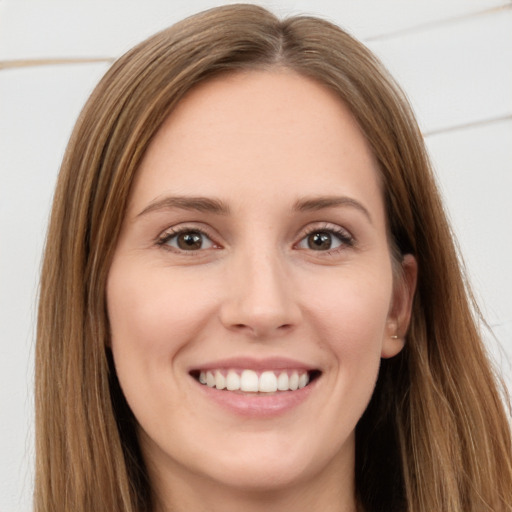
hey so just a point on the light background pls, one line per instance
(453, 58)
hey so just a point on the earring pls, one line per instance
(394, 337)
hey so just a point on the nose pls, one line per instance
(260, 302)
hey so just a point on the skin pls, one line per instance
(259, 142)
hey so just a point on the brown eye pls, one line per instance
(320, 241)
(189, 240)
(326, 239)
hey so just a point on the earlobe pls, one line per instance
(401, 307)
(391, 346)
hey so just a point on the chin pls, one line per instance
(270, 466)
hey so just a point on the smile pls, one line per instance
(260, 389)
(250, 381)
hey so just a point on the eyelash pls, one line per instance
(171, 233)
(346, 239)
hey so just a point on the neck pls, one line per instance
(215, 499)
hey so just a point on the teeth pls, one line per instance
(282, 382)
(220, 380)
(268, 382)
(250, 382)
(294, 381)
(232, 381)
(210, 380)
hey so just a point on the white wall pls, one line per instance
(453, 57)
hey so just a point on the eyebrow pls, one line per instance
(320, 203)
(198, 204)
(216, 206)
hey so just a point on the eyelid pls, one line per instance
(174, 231)
(348, 240)
(346, 237)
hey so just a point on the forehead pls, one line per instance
(263, 133)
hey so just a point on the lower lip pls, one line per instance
(258, 405)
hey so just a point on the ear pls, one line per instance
(401, 307)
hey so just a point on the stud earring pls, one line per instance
(394, 337)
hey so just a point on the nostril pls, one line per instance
(262, 329)
(259, 313)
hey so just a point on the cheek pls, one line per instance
(151, 310)
(351, 308)
(350, 319)
(153, 317)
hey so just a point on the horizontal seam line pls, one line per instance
(432, 24)
(26, 63)
(472, 124)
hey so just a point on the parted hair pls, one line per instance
(436, 434)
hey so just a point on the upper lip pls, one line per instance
(249, 363)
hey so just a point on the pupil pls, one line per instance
(319, 241)
(188, 241)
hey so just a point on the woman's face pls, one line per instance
(254, 258)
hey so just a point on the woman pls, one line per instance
(251, 298)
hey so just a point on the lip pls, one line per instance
(258, 365)
(256, 405)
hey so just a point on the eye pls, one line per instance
(325, 240)
(187, 240)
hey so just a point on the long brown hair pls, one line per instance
(435, 436)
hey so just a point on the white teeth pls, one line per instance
(232, 381)
(220, 380)
(303, 380)
(294, 381)
(210, 380)
(268, 382)
(249, 381)
(282, 382)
